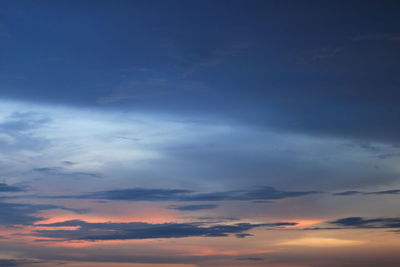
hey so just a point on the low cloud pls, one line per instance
(139, 230)
(355, 192)
(193, 207)
(13, 214)
(360, 222)
(9, 188)
(18, 262)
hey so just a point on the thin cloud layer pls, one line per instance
(143, 194)
(193, 207)
(138, 230)
(355, 192)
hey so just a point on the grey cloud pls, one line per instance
(63, 171)
(355, 192)
(143, 194)
(386, 192)
(136, 194)
(17, 262)
(243, 235)
(9, 188)
(359, 222)
(347, 193)
(193, 207)
(139, 230)
(261, 193)
(25, 214)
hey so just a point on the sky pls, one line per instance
(213, 133)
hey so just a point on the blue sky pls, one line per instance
(199, 133)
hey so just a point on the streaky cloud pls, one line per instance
(355, 192)
(144, 194)
(18, 262)
(360, 222)
(140, 230)
(193, 207)
(63, 171)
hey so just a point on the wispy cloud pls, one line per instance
(63, 171)
(360, 222)
(144, 194)
(355, 192)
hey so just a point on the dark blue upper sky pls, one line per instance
(315, 67)
(310, 66)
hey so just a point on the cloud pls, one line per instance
(17, 262)
(63, 171)
(385, 192)
(136, 194)
(243, 235)
(193, 207)
(23, 121)
(17, 131)
(359, 222)
(347, 193)
(8, 188)
(261, 193)
(26, 214)
(354, 192)
(140, 230)
(143, 194)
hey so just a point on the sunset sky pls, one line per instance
(199, 133)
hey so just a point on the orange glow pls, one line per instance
(206, 251)
(307, 222)
(322, 242)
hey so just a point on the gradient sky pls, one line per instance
(183, 133)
